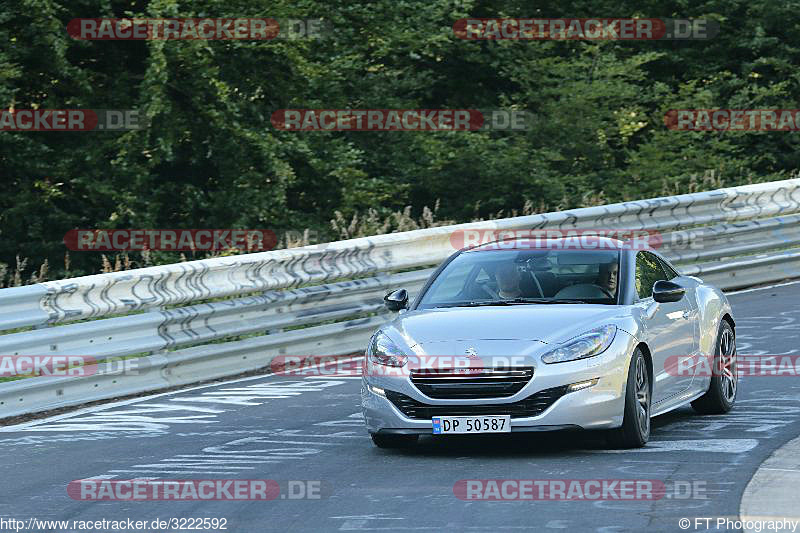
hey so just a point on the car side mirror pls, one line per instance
(396, 300)
(666, 291)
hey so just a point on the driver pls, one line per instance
(607, 277)
(508, 279)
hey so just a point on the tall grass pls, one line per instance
(18, 276)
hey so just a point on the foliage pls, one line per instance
(209, 157)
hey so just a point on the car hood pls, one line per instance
(506, 325)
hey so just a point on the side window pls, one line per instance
(483, 277)
(648, 271)
(671, 273)
(448, 287)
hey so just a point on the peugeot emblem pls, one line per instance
(471, 352)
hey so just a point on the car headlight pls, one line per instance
(589, 344)
(384, 351)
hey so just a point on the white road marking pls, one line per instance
(334, 376)
(144, 416)
(763, 288)
(237, 455)
(111, 405)
(704, 445)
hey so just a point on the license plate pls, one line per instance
(471, 424)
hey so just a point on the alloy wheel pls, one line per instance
(727, 365)
(642, 396)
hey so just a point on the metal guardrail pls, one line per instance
(731, 237)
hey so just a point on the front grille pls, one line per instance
(471, 382)
(533, 405)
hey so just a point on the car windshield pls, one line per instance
(520, 277)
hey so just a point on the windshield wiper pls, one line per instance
(544, 301)
(483, 303)
(519, 301)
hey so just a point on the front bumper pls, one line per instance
(598, 407)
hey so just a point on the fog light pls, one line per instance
(582, 385)
(376, 390)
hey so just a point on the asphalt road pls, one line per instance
(281, 428)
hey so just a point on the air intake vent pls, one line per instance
(471, 382)
(533, 405)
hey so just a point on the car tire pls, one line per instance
(635, 429)
(391, 440)
(721, 394)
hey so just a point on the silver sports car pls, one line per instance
(510, 337)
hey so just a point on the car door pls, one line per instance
(691, 300)
(670, 329)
